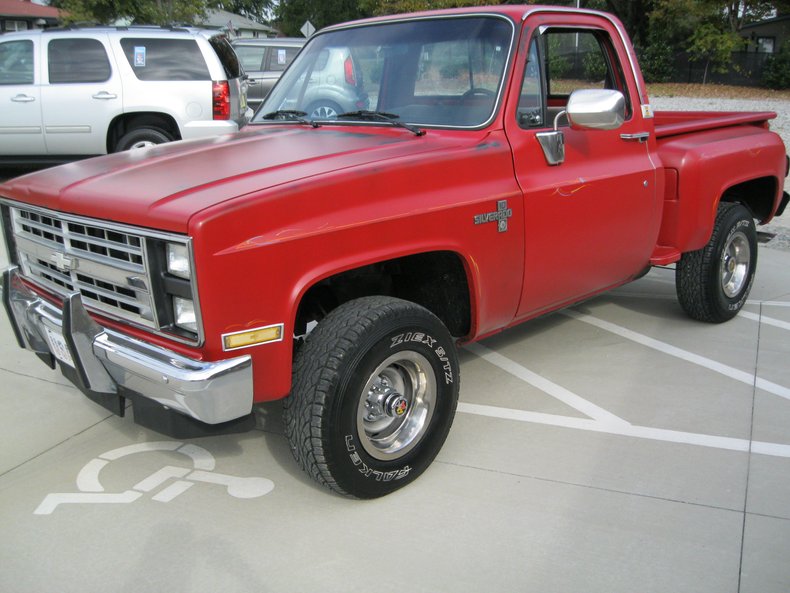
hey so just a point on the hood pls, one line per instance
(163, 186)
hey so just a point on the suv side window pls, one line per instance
(77, 60)
(16, 62)
(165, 59)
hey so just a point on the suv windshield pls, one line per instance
(435, 72)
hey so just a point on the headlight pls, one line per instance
(185, 316)
(178, 260)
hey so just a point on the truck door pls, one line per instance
(83, 95)
(591, 222)
(20, 99)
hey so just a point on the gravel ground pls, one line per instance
(780, 227)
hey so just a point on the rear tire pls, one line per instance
(374, 395)
(140, 138)
(714, 282)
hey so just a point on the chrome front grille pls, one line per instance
(106, 264)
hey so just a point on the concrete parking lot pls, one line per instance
(614, 447)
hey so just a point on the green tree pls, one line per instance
(381, 7)
(147, 12)
(776, 74)
(291, 14)
(714, 46)
(260, 11)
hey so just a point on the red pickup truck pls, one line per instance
(412, 183)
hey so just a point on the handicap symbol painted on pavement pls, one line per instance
(92, 492)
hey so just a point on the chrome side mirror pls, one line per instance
(587, 109)
(596, 109)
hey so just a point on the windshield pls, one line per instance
(435, 72)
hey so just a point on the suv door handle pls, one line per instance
(21, 98)
(105, 95)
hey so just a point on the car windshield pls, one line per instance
(433, 72)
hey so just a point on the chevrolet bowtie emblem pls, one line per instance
(62, 262)
(500, 216)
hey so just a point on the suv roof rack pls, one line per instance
(180, 28)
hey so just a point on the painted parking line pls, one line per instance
(665, 348)
(765, 320)
(600, 420)
(629, 430)
(759, 318)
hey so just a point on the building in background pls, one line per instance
(21, 15)
(767, 36)
(235, 25)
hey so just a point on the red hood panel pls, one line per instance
(163, 186)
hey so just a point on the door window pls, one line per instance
(251, 56)
(78, 60)
(280, 57)
(16, 62)
(562, 61)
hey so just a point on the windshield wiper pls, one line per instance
(290, 115)
(381, 116)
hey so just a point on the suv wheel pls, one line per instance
(140, 138)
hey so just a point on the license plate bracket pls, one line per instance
(57, 344)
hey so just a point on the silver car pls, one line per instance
(263, 61)
(323, 84)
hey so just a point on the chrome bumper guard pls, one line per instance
(107, 364)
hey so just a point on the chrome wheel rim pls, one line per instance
(396, 405)
(735, 262)
(324, 112)
(142, 144)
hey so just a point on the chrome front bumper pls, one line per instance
(106, 363)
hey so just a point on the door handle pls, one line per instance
(638, 137)
(105, 95)
(22, 98)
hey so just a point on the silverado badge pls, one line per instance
(500, 216)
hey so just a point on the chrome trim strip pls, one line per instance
(639, 136)
(618, 27)
(211, 392)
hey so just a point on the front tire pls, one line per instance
(714, 282)
(374, 395)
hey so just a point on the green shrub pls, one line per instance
(658, 62)
(594, 66)
(776, 72)
(558, 66)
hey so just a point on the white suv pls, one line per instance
(71, 93)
